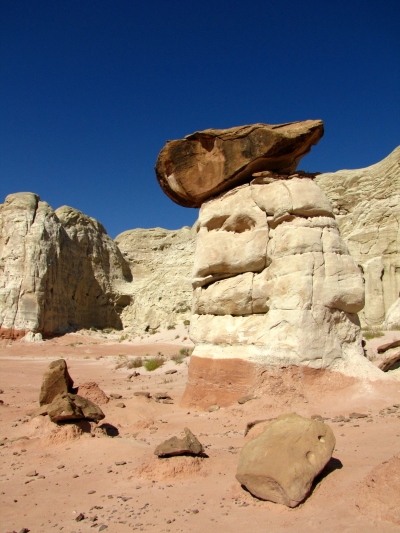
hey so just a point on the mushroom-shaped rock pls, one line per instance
(208, 162)
(188, 445)
(280, 464)
(56, 380)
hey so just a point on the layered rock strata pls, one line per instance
(206, 163)
(274, 284)
(57, 270)
(366, 204)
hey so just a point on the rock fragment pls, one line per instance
(280, 464)
(189, 445)
(71, 407)
(56, 380)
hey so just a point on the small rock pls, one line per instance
(115, 396)
(60, 467)
(384, 347)
(162, 396)
(213, 408)
(122, 405)
(32, 473)
(103, 527)
(145, 394)
(245, 399)
(2, 392)
(174, 446)
(133, 375)
(91, 491)
(339, 418)
(172, 371)
(80, 517)
(24, 530)
(358, 415)
(167, 401)
(120, 463)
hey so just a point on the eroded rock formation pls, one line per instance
(161, 262)
(57, 269)
(274, 283)
(206, 163)
(366, 203)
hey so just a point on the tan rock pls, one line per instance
(71, 407)
(174, 446)
(56, 380)
(91, 391)
(209, 162)
(280, 464)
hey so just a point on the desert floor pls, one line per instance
(81, 475)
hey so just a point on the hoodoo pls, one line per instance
(274, 283)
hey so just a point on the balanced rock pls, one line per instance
(56, 380)
(188, 445)
(280, 464)
(206, 163)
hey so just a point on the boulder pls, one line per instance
(69, 406)
(91, 391)
(206, 163)
(280, 464)
(189, 445)
(56, 380)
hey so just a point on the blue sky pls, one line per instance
(90, 90)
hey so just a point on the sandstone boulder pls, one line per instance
(91, 391)
(280, 464)
(56, 380)
(206, 163)
(174, 446)
(68, 406)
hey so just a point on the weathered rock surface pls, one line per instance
(366, 203)
(377, 493)
(69, 406)
(174, 446)
(91, 391)
(161, 262)
(57, 270)
(280, 464)
(56, 380)
(274, 285)
(206, 163)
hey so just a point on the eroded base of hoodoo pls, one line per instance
(223, 381)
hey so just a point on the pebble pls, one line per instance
(142, 393)
(213, 408)
(32, 473)
(120, 463)
(103, 527)
(358, 415)
(122, 405)
(60, 467)
(80, 517)
(245, 399)
(172, 371)
(115, 396)
(91, 491)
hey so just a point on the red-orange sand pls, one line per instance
(78, 473)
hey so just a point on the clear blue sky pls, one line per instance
(91, 90)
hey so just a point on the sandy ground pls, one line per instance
(119, 485)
